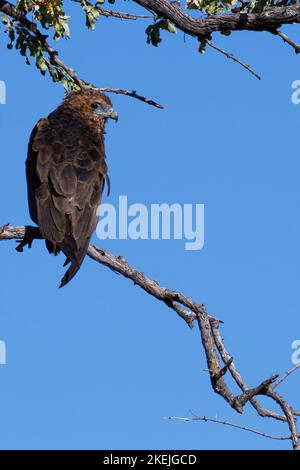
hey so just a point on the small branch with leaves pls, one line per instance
(26, 21)
(32, 42)
(219, 360)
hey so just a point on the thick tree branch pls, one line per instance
(288, 412)
(263, 412)
(132, 93)
(219, 361)
(270, 19)
(286, 375)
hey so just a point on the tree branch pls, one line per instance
(289, 41)
(120, 15)
(19, 16)
(232, 57)
(132, 93)
(263, 412)
(286, 375)
(270, 19)
(233, 425)
(288, 412)
(190, 311)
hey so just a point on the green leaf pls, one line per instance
(153, 31)
(65, 83)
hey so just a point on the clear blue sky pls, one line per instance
(99, 363)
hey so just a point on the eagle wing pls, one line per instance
(66, 172)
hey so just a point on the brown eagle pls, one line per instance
(66, 172)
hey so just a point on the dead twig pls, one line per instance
(286, 375)
(232, 57)
(120, 15)
(233, 425)
(286, 39)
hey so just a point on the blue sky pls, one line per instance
(99, 363)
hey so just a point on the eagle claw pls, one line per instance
(22, 243)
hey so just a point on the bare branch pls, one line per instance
(214, 366)
(232, 57)
(172, 299)
(261, 389)
(263, 412)
(120, 15)
(223, 371)
(132, 93)
(289, 41)
(233, 425)
(218, 359)
(286, 375)
(288, 412)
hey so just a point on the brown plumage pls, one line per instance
(66, 172)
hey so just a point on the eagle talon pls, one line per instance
(22, 243)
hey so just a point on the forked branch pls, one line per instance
(219, 361)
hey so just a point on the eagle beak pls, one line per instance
(106, 112)
(112, 114)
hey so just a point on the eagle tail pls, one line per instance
(76, 262)
(70, 273)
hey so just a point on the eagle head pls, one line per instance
(92, 104)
